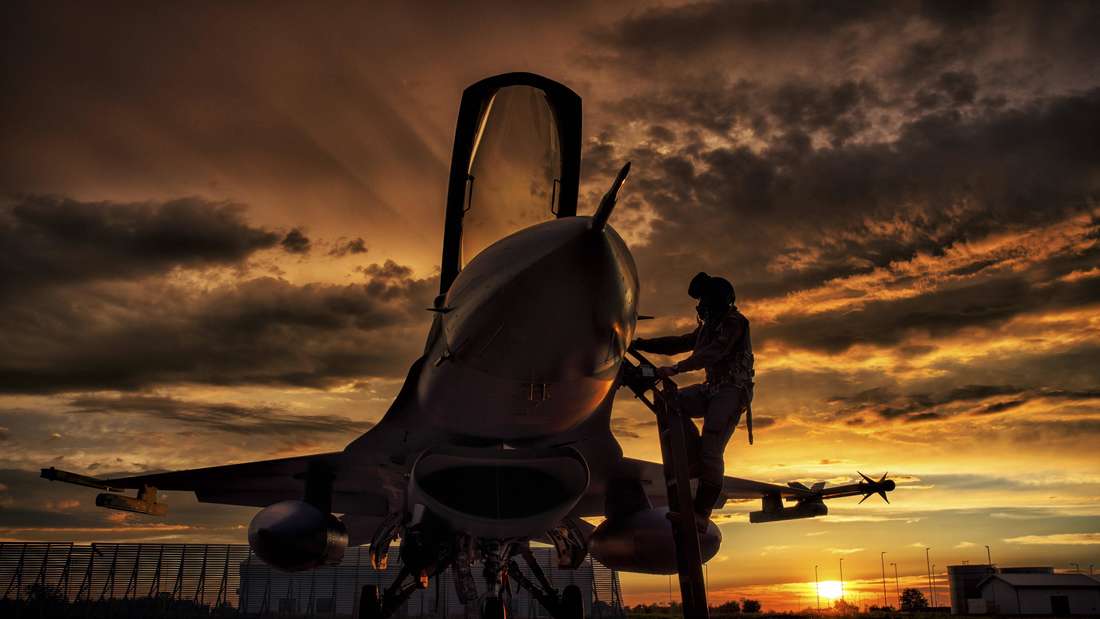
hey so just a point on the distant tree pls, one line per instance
(844, 607)
(750, 606)
(732, 606)
(913, 599)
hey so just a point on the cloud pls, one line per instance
(221, 417)
(965, 545)
(296, 242)
(626, 427)
(1074, 539)
(344, 247)
(63, 504)
(51, 241)
(258, 331)
(973, 399)
(845, 551)
(924, 233)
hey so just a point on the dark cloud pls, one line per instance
(296, 242)
(785, 218)
(760, 421)
(51, 241)
(887, 323)
(697, 28)
(222, 417)
(344, 247)
(263, 330)
(389, 270)
(884, 403)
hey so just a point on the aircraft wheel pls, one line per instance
(494, 608)
(572, 603)
(370, 603)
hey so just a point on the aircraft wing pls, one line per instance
(652, 475)
(259, 484)
(803, 501)
(256, 484)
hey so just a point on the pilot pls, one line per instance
(720, 345)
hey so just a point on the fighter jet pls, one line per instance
(501, 435)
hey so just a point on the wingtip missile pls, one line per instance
(880, 487)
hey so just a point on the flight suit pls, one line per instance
(723, 348)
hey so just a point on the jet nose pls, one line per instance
(552, 302)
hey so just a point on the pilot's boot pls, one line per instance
(705, 498)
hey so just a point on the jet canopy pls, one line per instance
(515, 163)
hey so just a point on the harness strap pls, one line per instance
(748, 420)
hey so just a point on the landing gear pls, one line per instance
(568, 604)
(494, 608)
(572, 603)
(427, 549)
(370, 604)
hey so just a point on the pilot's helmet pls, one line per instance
(715, 291)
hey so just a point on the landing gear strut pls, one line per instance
(569, 604)
(494, 555)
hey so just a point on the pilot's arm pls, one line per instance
(714, 351)
(668, 345)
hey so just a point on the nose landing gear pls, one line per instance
(426, 551)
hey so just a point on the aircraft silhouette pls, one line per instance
(501, 434)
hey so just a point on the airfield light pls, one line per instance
(882, 564)
(897, 584)
(935, 581)
(842, 578)
(928, 566)
(817, 587)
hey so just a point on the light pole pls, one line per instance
(935, 581)
(897, 584)
(1091, 565)
(928, 565)
(842, 578)
(1076, 568)
(817, 589)
(882, 564)
(988, 557)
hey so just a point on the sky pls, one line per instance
(220, 224)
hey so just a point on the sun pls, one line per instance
(830, 589)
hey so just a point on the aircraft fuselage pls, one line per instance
(531, 334)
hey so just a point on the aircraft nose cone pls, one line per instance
(552, 302)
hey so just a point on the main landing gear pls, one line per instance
(424, 554)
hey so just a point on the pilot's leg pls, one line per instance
(723, 413)
(693, 404)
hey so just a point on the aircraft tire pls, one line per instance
(370, 603)
(494, 608)
(572, 603)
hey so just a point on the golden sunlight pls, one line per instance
(830, 589)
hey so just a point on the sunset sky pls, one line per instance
(219, 226)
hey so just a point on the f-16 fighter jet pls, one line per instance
(501, 435)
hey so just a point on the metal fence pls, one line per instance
(227, 579)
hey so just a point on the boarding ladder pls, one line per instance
(642, 379)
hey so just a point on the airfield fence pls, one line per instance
(226, 580)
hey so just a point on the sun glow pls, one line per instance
(830, 589)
